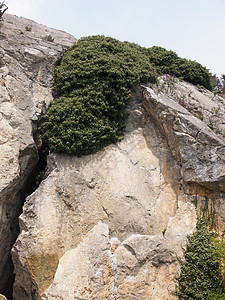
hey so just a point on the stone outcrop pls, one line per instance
(113, 224)
(193, 123)
(27, 60)
(104, 268)
(110, 225)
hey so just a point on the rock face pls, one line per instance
(104, 268)
(110, 225)
(27, 60)
(103, 217)
(191, 136)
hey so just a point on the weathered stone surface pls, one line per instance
(110, 225)
(199, 150)
(104, 268)
(26, 66)
(128, 191)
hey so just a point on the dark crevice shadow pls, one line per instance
(29, 187)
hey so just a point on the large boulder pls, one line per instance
(100, 221)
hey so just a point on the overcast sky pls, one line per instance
(195, 29)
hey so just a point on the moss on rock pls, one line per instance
(43, 268)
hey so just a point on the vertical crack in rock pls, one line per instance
(13, 208)
(26, 66)
(30, 179)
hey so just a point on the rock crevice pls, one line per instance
(26, 66)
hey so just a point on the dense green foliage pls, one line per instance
(216, 297)
(168, 62)
(199, 274)
(93, 85)
(219, 255)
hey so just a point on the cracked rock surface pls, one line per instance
(199, 149)
(110, 225)
(96, 225)
(27, 61)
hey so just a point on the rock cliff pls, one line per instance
(110, 225)
(27, 60)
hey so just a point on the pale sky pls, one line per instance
(194, 29)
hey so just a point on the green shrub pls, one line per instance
(199, 277)
(216, 297)
(168, 62)
(93, 84)
(219, 254)
(164, 60)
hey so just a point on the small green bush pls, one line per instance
(168, 62)
(163, 59)
(93, 84)
(199, 277)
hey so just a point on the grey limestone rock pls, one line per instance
(121, 216)
(199, 149)
(110, 225)
(27, 61)
(123, 189)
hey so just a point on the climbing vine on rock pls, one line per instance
(199, 277)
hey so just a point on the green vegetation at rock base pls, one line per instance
(93, 85)
(200, 273)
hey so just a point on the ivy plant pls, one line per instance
(199, 277)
